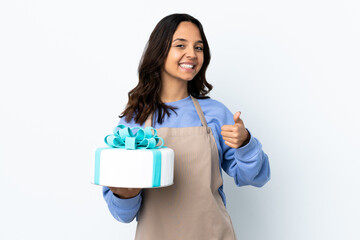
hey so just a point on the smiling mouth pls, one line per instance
(187, 66)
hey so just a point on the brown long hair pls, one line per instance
(145, 97)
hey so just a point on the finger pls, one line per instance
(231, 140)
(231, 144)
(228, 128)
(237, 117)
(230, 134)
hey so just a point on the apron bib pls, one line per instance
(191, 208)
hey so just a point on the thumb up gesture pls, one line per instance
(236, 135)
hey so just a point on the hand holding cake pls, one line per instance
(125, 192)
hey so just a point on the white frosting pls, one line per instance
(133, 168)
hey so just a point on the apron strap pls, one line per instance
(199, 111)
(148, 122)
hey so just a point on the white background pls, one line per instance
(291, 67)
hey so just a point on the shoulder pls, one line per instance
(212, 106)
(215, 110)
(131, 123)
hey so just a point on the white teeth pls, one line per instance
(186, 66)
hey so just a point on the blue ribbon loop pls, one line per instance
(124, 137)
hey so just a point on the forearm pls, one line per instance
(123, 210)
(252, 164)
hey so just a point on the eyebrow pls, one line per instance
(184, 40)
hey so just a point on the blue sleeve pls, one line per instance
(123, 210)
(248, 165)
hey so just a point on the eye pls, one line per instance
(199, 48)
(180, 45)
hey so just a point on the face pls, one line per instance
(185, 56)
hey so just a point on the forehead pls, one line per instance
(188, 31)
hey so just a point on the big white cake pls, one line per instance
(133, 160)
(140, 168)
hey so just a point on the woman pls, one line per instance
(205, 136)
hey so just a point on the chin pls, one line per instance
(188, 79)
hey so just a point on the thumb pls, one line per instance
(237, 117)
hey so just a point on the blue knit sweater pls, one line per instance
(248, 165)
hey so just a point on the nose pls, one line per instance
(190, 53)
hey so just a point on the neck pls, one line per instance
(172, 91)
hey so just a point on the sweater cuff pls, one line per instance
(128, 203)
(247, 152)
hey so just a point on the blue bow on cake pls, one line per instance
(124, 137)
